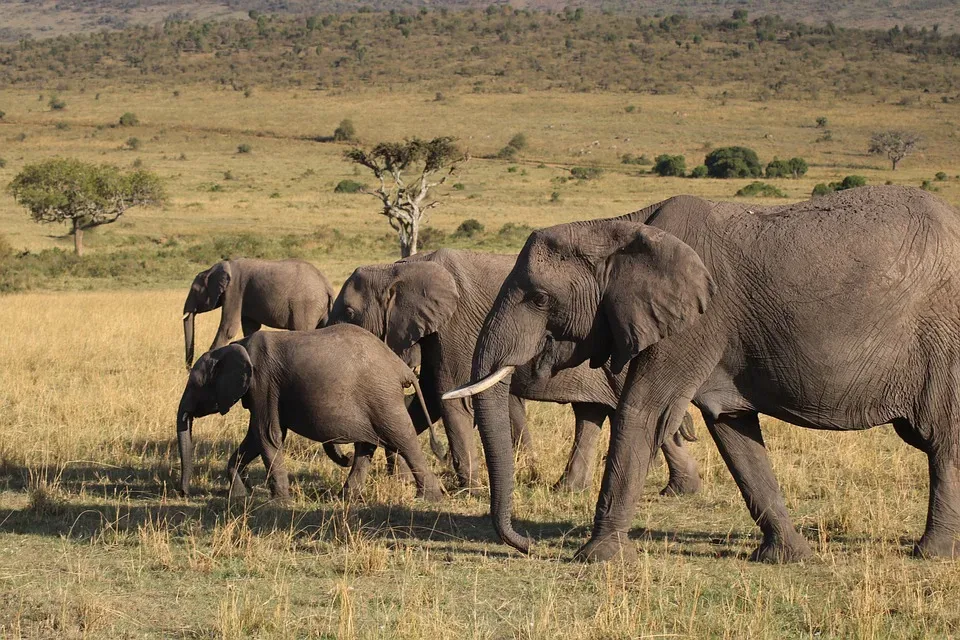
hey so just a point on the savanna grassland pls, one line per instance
(94, 542)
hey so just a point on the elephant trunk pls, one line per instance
(188, 325)
(339, 458)
(493, 419)
(185, 442)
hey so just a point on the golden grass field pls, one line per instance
(95, 544)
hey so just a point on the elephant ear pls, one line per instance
(231, 376)
(420, 300)
(656, 286)
(212, 284)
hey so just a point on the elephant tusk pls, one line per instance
(185, 316)
(479, 386)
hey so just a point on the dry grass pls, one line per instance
(95, 544)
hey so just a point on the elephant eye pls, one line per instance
(351, 313)
(540, 299)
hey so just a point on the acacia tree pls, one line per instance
(82, 195)
(405, 200)
(896, 145)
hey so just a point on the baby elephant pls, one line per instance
(334, 385)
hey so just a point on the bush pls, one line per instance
(667, 165)
(518, 142)
(699, 171)
(63, 126)
(777, 169)
(761, 190)
(940, 176)
(129, 119)
(2, 114)
(56, 104)
(586, 173)
(345, 131)
(244, 148)
(507, 153)
(468, 229)
(512, 233)
(822, 122)
(733, 162)
(629, 158)
(3, 163)
(349, 186)
(132, 144)
(458, 186)
(431, 238)
(849, 182)
(926, 185)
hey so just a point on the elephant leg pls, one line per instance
(362, 456)
(428, 487)
(941, 536)
(396, 465)
(243, 456)
(741, 445)
(579, 470)
(459, 427)
(522, 442)
(249, 325)
(684, 475)
(634, 434)
(277, 477)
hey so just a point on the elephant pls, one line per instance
(316, 383)
(435, 303)
(836, 313)
(282, 294)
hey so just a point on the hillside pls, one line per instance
(500, 50)
(45, 18)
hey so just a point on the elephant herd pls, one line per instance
(838, 313)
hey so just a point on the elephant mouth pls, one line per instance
(550, 360)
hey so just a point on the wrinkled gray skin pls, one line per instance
(281, 294)
(839, 313)
(434, 304)
(315, 383)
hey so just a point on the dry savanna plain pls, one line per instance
(94, 542)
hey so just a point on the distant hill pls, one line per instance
(44, 18)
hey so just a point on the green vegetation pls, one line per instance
(129, 119)
(895, 145)
(83, 195)
(760, 190)
(586, 173)
(56, 104)
(345, 131)
(849, 182)
(629, 158)
(468, 229)
(733, 162)
(667, 165)
(699, 171)
(244, 148)
(792, 168)
(349, 186)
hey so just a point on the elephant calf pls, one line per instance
(334, 385)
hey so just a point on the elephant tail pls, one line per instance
(686, 430)
(435, 445)
(333, 452)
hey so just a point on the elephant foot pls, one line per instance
(611, 547)
(778, 551)
(945, 546)
(686, 486)
(432, 492)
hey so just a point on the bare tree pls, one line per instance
(896, 145)
(405, 202)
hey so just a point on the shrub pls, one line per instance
(513, 233)
(56, 104)
(507, 153)
(586, 173)
(62, 126)
(733, 162)
(848, 182)
(518, 142)
(554, 196)
(458, 186)
(629, 158)
(349, 186)
(940, 176)
(468, 229)
(630, 108)
(244, 148)
(431, 238)
(761, 190)
(822, 122)
(512, 169)
(798, 167)
(132, 144)
(777, 169)
(2, 114)
(699, 171)
(129, 119)
(3, 163)
(345, 131)
(667, 165)
(926, 185)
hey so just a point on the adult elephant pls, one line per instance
(282, 294)
(434, 304)
(838, 313)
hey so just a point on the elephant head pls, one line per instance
(206, 294)
(400, 303)
(599, 291)
(217, 381)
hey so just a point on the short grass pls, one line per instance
(94, 542)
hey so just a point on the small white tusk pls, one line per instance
(185, 316)
(479, 386)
